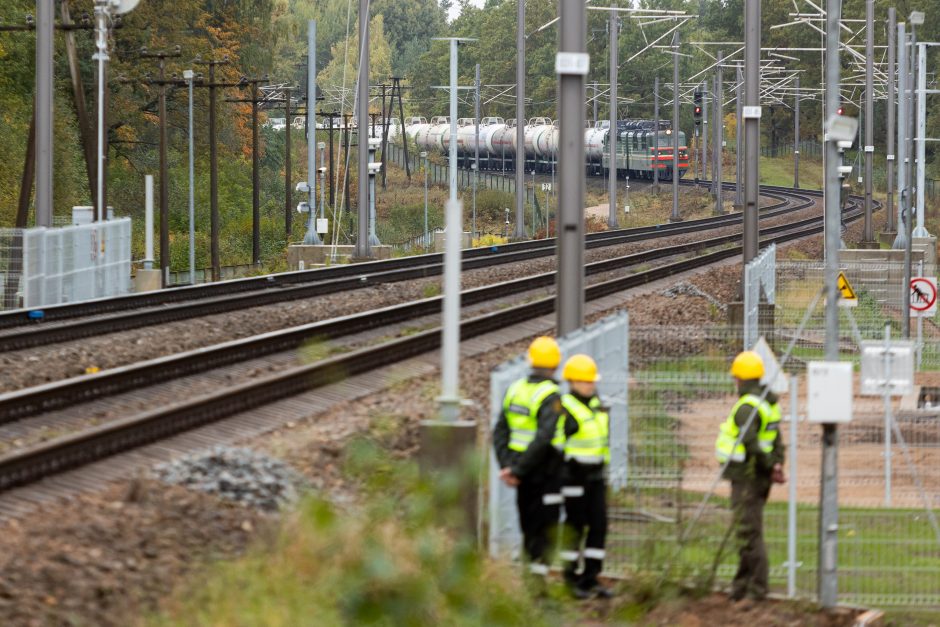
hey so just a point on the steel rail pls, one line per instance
(70, 451)
(27, 402)
(21, 318)
(41, 334)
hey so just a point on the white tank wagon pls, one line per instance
(533, 130)
(466, 136)
(414, 125)
(431, 138)
(489, 128)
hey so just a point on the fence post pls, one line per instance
(791, 505)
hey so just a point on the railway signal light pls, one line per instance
(840, 111)
(697, 111)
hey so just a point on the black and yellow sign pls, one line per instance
(847, 295)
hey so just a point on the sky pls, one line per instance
(455, 9)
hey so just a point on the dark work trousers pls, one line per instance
(539, 504)
(585, 521)
(748, 498)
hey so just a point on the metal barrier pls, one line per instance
(75, 263)
(606, 342)
(680, 392)
(759, 286)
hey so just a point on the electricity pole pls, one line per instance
(571, 64)
(363, 246)
(45, 90)
(868, 231)
(719, 134)
(675, 128)
(739, 142)
(752, 26)
(612, 221)
(829, 496)
(796, 133)
(892, 96)
(520, 120)
(254, 99)
(656, 134)
(161, 82)
(215, 261)
(287, 165)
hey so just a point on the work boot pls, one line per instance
(581, 594)
(602, 592)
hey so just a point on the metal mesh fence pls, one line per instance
(680, 392)
(11, 268)
(74, 263)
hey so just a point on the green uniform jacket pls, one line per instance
(757, 464)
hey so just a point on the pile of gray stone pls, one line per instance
(237, 474)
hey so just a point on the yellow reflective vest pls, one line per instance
(521, 407)
(727, 446)
(590, 444)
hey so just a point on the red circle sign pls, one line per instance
(923, 294)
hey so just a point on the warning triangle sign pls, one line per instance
(846, 291)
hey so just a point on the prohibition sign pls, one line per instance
(923, 296)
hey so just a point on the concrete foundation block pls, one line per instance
(929, 247)
(147, 281)
(322, 255)
(466, 241)
(451, 447)
(887, 238)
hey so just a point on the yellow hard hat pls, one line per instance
(544, 353)
(580, 368)
(747, 365)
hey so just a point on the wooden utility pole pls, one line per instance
(254, 99)
(162, 83)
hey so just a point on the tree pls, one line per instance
(338, 79)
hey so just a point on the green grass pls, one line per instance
(883, 553)
(393, 561)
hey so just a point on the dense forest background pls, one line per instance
(268, 38)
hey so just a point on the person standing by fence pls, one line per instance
(527, 448)
(754, 461)
(586, 429)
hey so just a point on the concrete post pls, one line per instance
(717, 149)
(612, 221)
(674, 217)
(656, 134)
(752, 28)
(519, 233)
(868, 231)
(572, 65)
(363, 247)
(45, 90)
(890, 225)
(312, 236)
(796, 134)
(829, 496)
(739, 143)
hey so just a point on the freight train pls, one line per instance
(641, 146)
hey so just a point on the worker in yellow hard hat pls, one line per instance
(584, 426)
(523, 439)
(752, 450)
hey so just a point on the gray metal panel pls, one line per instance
(607, 342)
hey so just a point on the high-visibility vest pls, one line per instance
(521, 407)
(769, 415)
(590, 444)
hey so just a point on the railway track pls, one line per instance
(81, 320)
(36, 462)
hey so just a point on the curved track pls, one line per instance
(33, 463)
(75, 321)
